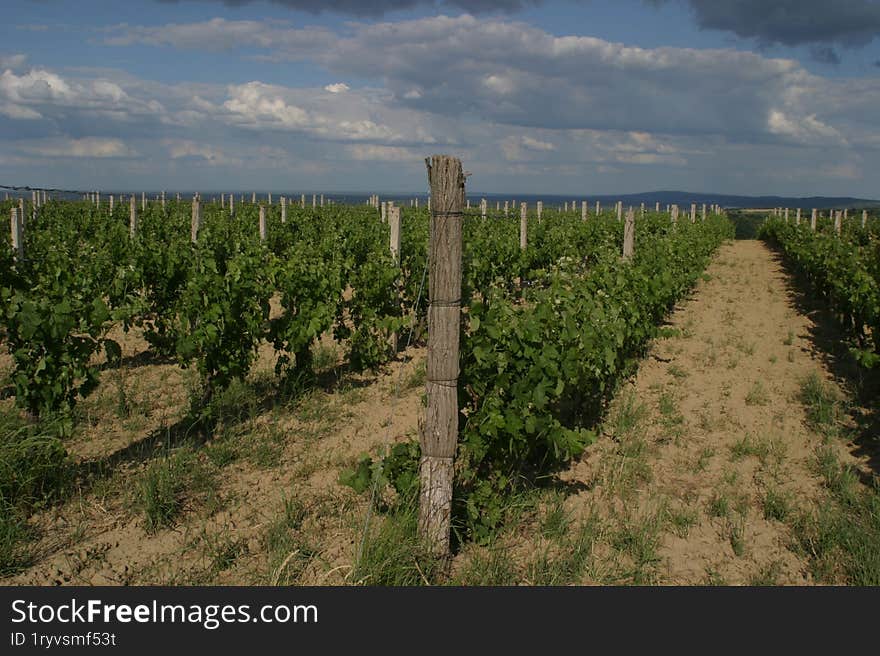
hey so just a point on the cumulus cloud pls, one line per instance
(511, 73)
(86, 147)
(210, 154)
(12, 61)
(849, 23)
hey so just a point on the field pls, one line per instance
(201, 395)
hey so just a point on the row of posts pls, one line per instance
(839, 216)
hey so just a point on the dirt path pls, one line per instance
(710, 439)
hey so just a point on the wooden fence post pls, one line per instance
(111, 204)
(440, 435)
(629, 232)
(620, 210)
(262, 224)
(523, 225)
(283, 209)
(657, 207)
(506, 208)
(674, 213)
(484, 207)
(864, 219)
(540, 207)
(196, 221)
(15, 226)
(813, 220)
(143, 201)
(314, 201)
(838, 222)
(394, 224)
(583, 210)
(703, 216)
(132, 217)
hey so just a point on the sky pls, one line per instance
(574, 97)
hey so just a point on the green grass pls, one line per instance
(767, 575)
(488, 566)
(168, 483)
(822, 403)
(757, 395)
(570, 561)
(556, 519)
(287, 548)
(842, 537)
(34, 472)
(393, 553)
(776, 505)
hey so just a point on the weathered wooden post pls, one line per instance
(838, 222)
(523, 225)
(703, 216)
(629, 232)
(497, 206)
(845, 213)
(657, 207)
(322, 200)
(17, 235)
(270, 197)
(253, 198)
(620, 210)
(540, 207)
(302, 201)
(111, 204)
(314, 201)
(163, 201)
(797, 217)
(394, 225)
(143, 201)
(262, 224)
(642, 210)
(864, 219)
(484, 207)
(675, 213)
(583, 210)
(132, 217)
(598, 208)
(440, 434)
(693, 212)
(283, 209)
(813, 220)
(196, 221)
(506, 208)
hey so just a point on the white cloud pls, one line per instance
(179, 148)
(12, 61)
(339, 87)
(86, 147)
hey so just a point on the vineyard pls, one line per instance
(558, 308)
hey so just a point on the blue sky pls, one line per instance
(566, 96)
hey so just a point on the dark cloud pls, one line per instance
(826, 55)
(375, 8)
(849, 23)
